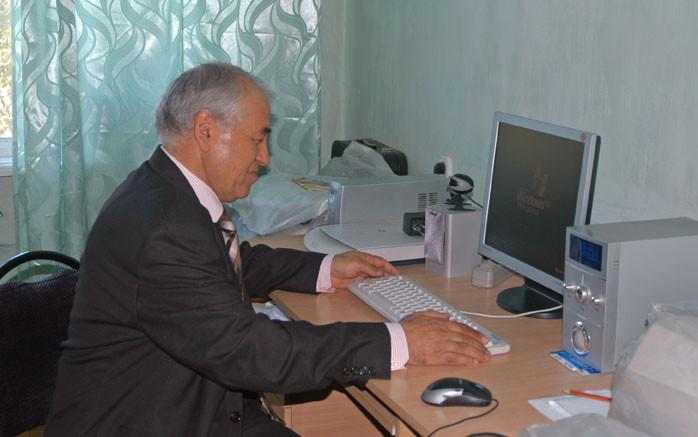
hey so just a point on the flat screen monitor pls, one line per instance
(540, 180)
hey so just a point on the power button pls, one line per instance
(581, 341)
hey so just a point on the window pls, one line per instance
(5, 80)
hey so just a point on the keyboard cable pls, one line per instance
(512, 316)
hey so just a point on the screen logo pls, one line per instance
(531, 199)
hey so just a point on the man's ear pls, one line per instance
(203, 126)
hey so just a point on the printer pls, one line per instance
(383, 198)
(367, 214)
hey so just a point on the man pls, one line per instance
(163, 340)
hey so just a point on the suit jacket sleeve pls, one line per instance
(190, 306)
(266, 269)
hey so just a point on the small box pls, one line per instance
(488, 274)
(451, 240)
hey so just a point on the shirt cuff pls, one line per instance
(399, 352)
(324, 277)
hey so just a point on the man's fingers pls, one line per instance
(432, 339)
(467, 330)
(457, 327)
(467, 347)
(381, 266)
(430, 313)
(464, 353)
(351, 266)
(458, 359)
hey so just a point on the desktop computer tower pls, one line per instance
(451, 240)
(614, 272)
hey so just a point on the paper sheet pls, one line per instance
(271, 310)
(560, 407)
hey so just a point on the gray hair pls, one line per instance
(217, 88)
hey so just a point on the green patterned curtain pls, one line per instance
(88, 75)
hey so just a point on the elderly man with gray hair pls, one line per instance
(163, 340)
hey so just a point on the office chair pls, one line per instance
(33, 323)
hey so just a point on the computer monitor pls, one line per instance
(540, 180)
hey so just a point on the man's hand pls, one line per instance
(433, 340)
(349, 267)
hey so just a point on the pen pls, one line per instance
(587, 395)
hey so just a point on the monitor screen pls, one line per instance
(540, 180)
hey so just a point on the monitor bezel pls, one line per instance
(584, 193)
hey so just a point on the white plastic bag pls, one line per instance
(276, 202)
(582, 425)
(655, 387)
(357, 161)
(277, 205)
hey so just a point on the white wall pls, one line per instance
(427, 76)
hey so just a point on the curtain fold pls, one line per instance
(87, 77)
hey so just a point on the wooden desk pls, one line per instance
(526, 372)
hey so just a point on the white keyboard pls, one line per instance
(396, 297)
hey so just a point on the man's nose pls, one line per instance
(263, 153)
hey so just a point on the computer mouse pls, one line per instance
(449, 392)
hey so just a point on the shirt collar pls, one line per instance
(207, 197)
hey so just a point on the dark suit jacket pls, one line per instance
(160, 342)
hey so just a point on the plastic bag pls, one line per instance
(582, 425)
(655, 387)
(276, 202)
(357, 161)
(278, 205)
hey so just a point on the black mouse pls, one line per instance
(449, 392)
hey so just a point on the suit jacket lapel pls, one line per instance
(163, 166)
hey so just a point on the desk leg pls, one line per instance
(392, 424)
(321, 414)
(278, 408)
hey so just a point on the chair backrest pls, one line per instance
(24, 259)
(33, 323)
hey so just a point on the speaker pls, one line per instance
(451, 240)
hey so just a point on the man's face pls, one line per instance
(235, 153)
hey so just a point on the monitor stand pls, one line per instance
(530, 297)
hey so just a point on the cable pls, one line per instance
(470, 197)
(513, 316)
(418, 228)
(467, 418)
